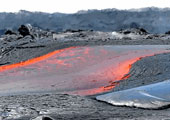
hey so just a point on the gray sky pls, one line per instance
(71, 6)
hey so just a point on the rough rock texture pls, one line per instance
(137, 31)
(62, 106)
(24, 30)
(15, 48)
(147, 71)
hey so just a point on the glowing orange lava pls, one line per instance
(77, 70)
(121, 73)
(32, 61)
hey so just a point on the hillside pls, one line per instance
(154, 20)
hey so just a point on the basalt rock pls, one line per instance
(24, 30)
(73, 31)
(143, 30)
(10, 32)
(43, 118)
(137, 31)
(168, 33)
(34, 32)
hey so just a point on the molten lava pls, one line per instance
(77, 70)
(121, 73)
(32, 61)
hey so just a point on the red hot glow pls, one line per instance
(77, 70)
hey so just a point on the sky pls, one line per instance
(72, 6)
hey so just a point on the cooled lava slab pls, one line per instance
(154, 96)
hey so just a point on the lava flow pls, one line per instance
(121, 73)
(118, 73)
(75, 70)
(31, 61)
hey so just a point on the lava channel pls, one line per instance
(74, 70)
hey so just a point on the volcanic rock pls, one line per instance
(143, 30)
(168, 33)
(136, 31)
(43, 118)
(24, 30)
(10, 32)
(73, 31)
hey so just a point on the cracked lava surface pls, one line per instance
(74, 70)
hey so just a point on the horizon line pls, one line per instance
(88, 10)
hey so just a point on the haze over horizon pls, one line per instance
(73, 6)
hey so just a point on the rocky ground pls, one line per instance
(33, 42)
(148, 70)
(62, 106)
(16, 46)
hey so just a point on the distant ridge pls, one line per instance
(154, 20)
